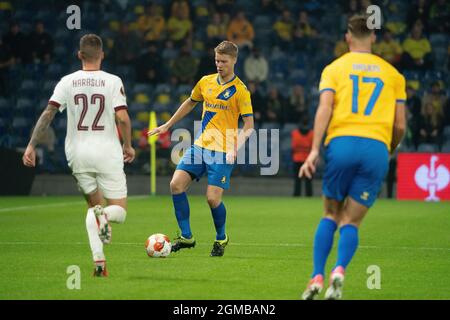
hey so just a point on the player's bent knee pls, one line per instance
(213, 201)
(334, 217)
(176, 187)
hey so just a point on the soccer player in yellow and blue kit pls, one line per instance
(225, 98)
(362, 110)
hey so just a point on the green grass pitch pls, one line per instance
(269, 255)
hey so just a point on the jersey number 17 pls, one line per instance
(373, 98)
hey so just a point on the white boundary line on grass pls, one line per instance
(204, 244)
(59, 204)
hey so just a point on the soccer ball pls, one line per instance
(158, 246)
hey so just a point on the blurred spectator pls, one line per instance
(151, 24)
(284, 29)
(340, 48)
(440, 16)
(351, 8)
(207, 65)
(304, 31)
(18, 43)
(256, 67)
(417, 50)
(298, 108)
(435, 97)
(430, 126)
(419, 11)
(447, 113)
(179, 26)
(364, 4)
(302, 139)
(216, 30)
(414, 109)
(274, 107)
(6, 61)
(41, 44)
(149, 67)
(224, 5)
(240, 31)
(181, 6)
(391, 174)
(268, 7)
(388, 48)
(126, 46)
(184, 68)
(258, 102)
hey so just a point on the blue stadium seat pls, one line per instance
(446, 147)
(162, 88)
(142, 88)
(3, 126)
(28, 88)
(24, 107)
(48, 88)
(137, 107)
(427, 147)
(21, 127)
(54, 71)
(446, 133)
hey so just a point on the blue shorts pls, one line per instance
(355, 167)
(198, 161)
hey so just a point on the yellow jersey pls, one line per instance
(366, 89)
(223, 103)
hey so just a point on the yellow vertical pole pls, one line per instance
(152, 142)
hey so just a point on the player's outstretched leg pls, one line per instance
(323, 242)
(219, 247)
(95, 244)
(313, 288)
(180, 182)
(352, 215)
(334, 291)
(219, 215)
(348, 243)
(182, 213)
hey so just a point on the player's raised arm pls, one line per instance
(321, 121)
(124, 123)
(182, 111)
(47, 116)
(399, 125)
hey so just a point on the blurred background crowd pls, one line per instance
(161, 48)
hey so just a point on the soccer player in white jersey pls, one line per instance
(95, 100)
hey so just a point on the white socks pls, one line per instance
(115, 213)
(94, 240)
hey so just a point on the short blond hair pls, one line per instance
(357, 26)
(228, 48)
(91, 47)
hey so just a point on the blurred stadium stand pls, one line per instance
(27, 81)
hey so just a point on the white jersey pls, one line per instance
(91, 99)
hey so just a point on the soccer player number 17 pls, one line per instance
(373, 98)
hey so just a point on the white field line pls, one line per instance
(298, 245)
(59, 204)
